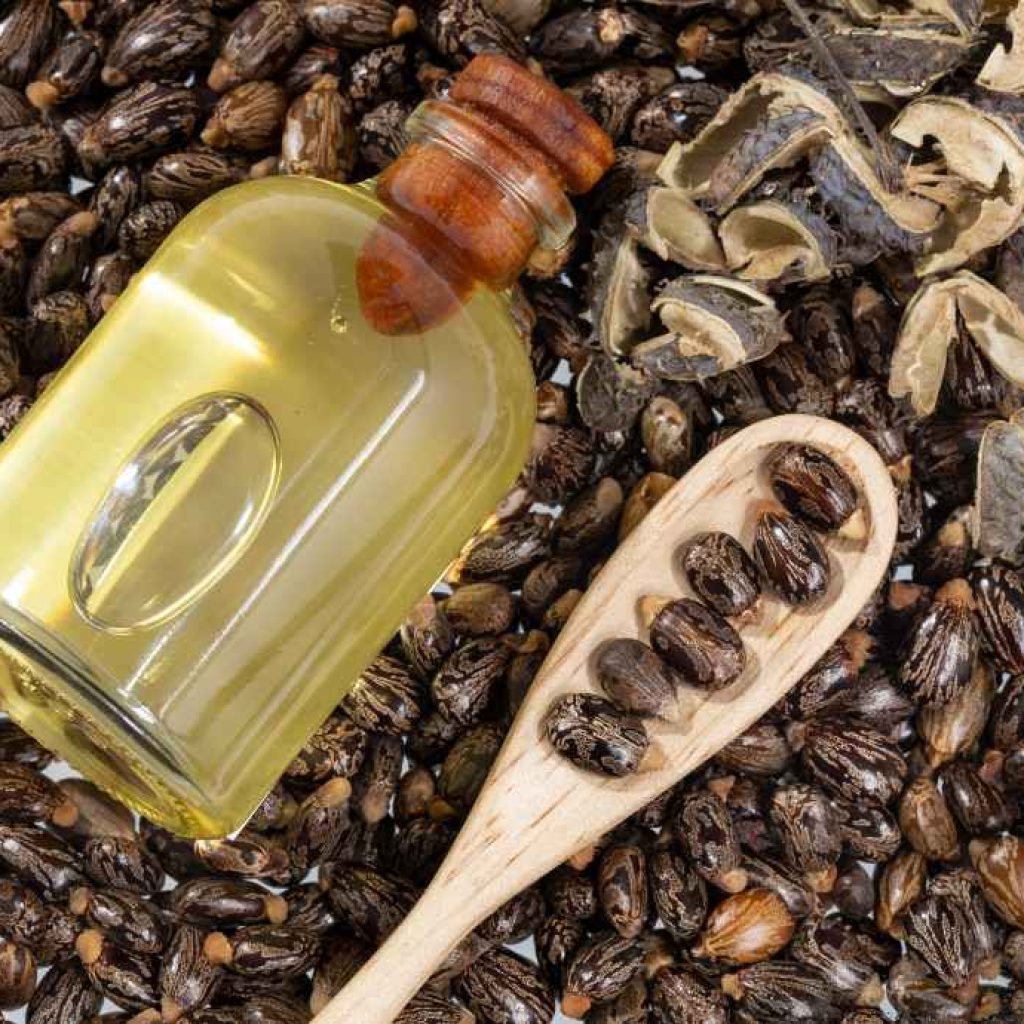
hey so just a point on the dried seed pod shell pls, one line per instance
(697, 642)
(319, 136)
(812, 485)
(596, 736)
(636, 680)
(853, 762)
(721, 573)
(899, 885)
(746, 928)
(791, 559)
(941, 650)
(999, 601)
(161, 41)
(703, 824)
(262, 40)
(927, 823)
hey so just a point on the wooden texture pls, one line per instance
(536, 808)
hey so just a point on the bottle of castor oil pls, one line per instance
(272, 445)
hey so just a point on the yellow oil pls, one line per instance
(231, 496)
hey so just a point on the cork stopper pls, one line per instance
(481, 187)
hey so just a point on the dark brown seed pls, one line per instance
(949, 730)
(381, 75)
(937, 930)
(357, 24)
(61, 262)
(319, 136)
(41, 859)
(571, 894)
(26, 28)
(162, 41)
(466, 765)
(33, 157)
(678, 996)
(58, 325)
(790, 557)
(784, 881)
(339, 964)
(832, 947)
(188, 978)
(461, 29)
(225, 903)
(505, 553)
(561, 462)
(318, 59)
(17, 975)
(516, 919)
(599, 970)
(117, 194)
(703, 825)
(64, 995)
(899, 885)
(261, 42)
(191, 176)
(429, 1007)
(667, 435)
(721, 573)
(139, 122)
(381, 133)
(636, 680)
(13, 272)
(812, 485)
(613, 95)
(377, 783)
(479, 609)
(809, 829)
(595, 735)
(369, 903)
(746, 928)
(270, 951)
(778, 991)
(761, 751)
(696, 641)
(249, 117)
(28, 796)
(463, 688)
(15, 111)
(126, 978)
(507, 989)
(105, 280)
(999, 600)
(419, 848)
(416, 790)
(980, 806)
(386, 698)
(427, 637)
(853, 762)
(941, 650)
(870, 831)
(948, 552)
(124, 918)
(675, 115)
(308, 909)
(338, 747)
(854, 892)
(591, 517)
(317, 825)
(927, 823)
(623, 888)
(69, 71)
(144, 229)
(557, 939)
(122, 863)
(248, 854)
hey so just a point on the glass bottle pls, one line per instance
(272, 446)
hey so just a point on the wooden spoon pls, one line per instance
(536, 809)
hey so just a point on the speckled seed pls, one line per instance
(622, 887)
(721, 573)
(370, 903)
(600, 969)
(125, 918)
(941, 650)
(342, 959)
(926, 821)
(790, 557)
(69, 71)
(900, 883)
(17, 975)
(126, 978)
(270, 951)
(779, 991)
(386, 698)
(122, 863)
(144, 229)
(812, 485)
(507, 989)
(249, 117)
(979, 805)
(429, 1007)
(746, 928)
(27, 920)
(853, 762)
(635, 679)
(463, 687)
(678, 996)
(188, 978)
(595, 735)
(33, 157)
(999, 600)
(40, 859)
(427, 637)
(937, 930)
(265, 37)
(105, 280)
(703, 825)
(809, 829)
(338, 747)
(26, 28)
(189, 177)
(697, 642)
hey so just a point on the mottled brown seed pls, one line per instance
(341, 960)
(191, 176)
(70, 70)
(33, 157)
(64, 995)
(746, 928)
(117, 194)
(809, 829)
(319, 135)
(507, 989)
(901, 882)
(941, 650)
(317, 824)
(792, 560)
(27, 796)
(26, 28)
(41, 859)
(144, 229)
(248, 854)
(264, 951)
(791, 386)
(782, 879)
(31, 217)
(188, 978)
(869, 831)
(812, 485)
(599, 970)
(261, 42)
(124, 918)
(249, 117)
(429, 1007)
(949, 730)
(17, 975)
(703, 825)
(357, 24)
(762, 751)
(926, 821)
(369, 903)
(126, 978)
(122, 863)
(59, 323)
(679, 996)
(571, 894)
(463, 687)
(376, 784)
(139, 122)
(596, 736)
(999, 600)
(381, 133)
(937, 930)
(979, 805)
(63, 257)
(479, 609)
(15, 111)
(427, 637)
(461, 29)
(833, 948)
(622, 885)
(225, 903)
(591, 517)
(338, 747)
(853, 762)
(721, 573)
(505, 553)
(162, 41)
(105, 280)
(386, 698)
(635, 679)
(697, 642)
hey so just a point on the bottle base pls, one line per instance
(55, 698)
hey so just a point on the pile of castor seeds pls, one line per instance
(854, 857)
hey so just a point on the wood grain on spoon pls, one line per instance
(536, 808)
